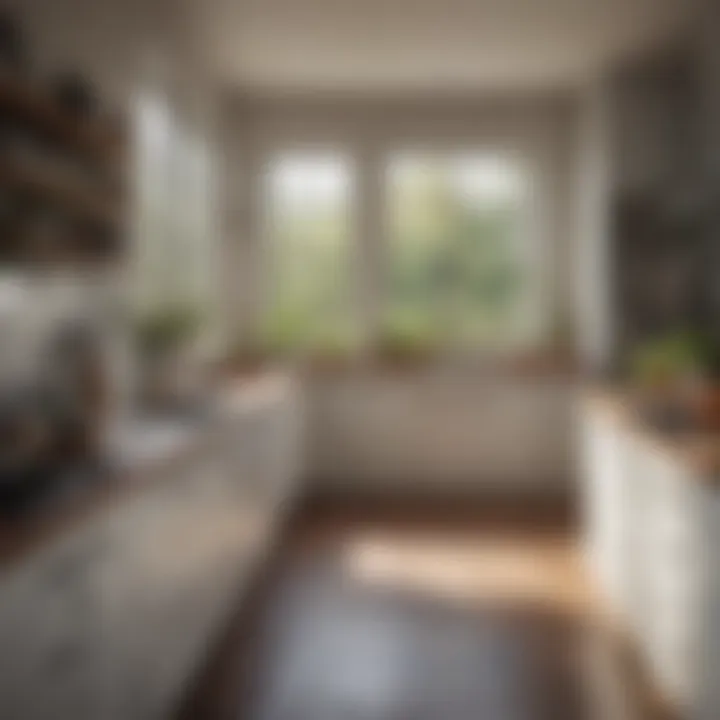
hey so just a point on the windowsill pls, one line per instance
(551, 366)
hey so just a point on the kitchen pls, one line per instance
(168, 415)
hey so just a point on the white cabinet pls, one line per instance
(652, 526)
(111, 622)
(440, 432)
(181, 552)
(606, 507)
(671, 574)
(681, 631)
(176, 559)
(48, 633)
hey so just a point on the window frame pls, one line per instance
(369, 158)
(352, 202)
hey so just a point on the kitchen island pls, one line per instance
(110, 602)
(652, 526)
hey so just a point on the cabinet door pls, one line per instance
(606, 510)
(673, 575)
(245, 452)
(49, 634)
(707, 692)
(178, 555)
(263, 451)
(641, 494)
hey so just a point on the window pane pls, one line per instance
(309, 230)
(458, 260)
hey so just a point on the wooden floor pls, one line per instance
(420, 616)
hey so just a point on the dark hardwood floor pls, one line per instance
(368, 615)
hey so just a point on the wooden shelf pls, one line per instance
(61, 162)
(37, 108)
(58, 191)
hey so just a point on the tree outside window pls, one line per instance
(310, 305)
(458, 264)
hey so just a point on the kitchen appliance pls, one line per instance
(55, 399)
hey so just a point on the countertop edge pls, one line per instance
(697, 451)
(26, 535)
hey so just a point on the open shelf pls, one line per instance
(34, 106)
(58, 169)
(71, 197)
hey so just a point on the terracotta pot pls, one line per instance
(707, 407)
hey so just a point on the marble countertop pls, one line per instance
(694, 447)
(138, 445)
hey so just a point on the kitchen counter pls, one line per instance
(113, 595)
(139, 446)
(651, 514)
(695, 448)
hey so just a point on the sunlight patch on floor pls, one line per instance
(475, 570)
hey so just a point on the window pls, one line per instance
(174, 254)
(308, 223)
(458, 249)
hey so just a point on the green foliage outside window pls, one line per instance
(454, 260)
(454, 272)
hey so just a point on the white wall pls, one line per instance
(593, 259)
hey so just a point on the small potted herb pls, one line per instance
(164, 339)
(405, 345)
(674, 373)
(247, 357)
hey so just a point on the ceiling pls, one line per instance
(426, 45)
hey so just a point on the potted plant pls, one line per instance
(164, 339)
(675, 372)
(247, 357)
(333, 350)
(404, 345)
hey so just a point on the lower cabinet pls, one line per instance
(606, 507)
(175, 559)
(49, 627)
(111, 623)
(652, 526)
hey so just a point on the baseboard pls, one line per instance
(406, 500)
